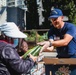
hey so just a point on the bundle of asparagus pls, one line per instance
(34, 51)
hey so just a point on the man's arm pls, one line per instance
(62, 42)
(58, 43)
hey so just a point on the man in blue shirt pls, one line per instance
(62, 35)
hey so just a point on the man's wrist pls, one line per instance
(50, 43)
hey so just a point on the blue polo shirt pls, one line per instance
(57, 34)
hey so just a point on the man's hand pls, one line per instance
(45, 44)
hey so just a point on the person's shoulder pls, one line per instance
(5, 44)
(68, 23)
(52, 27)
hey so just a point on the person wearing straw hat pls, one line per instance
(10, 61)
(62, 36)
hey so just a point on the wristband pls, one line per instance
(50, 43)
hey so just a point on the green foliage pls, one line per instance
(34, 35)
(72, 10)
(31, 36)
(72, 14)
(43, 37)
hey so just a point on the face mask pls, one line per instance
(15, 42)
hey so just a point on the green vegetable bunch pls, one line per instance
(34, 51)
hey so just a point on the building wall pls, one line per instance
(16, 15)
(3, 15)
